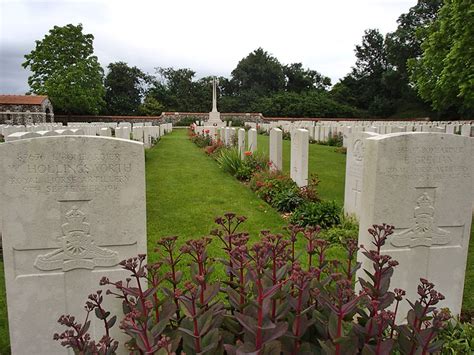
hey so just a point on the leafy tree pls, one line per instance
(177, 90)
(366, 86)
(64, 68)
(306, 104)
(259, 73)
(379, 82)
(299, 79)
(444, 75)
(150, 107)
(124, 87)
(371, 55)
(405, 42)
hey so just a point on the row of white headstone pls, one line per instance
(146, 134)
(299, 147)
(74, 206)
(323, 130)
(420, 182)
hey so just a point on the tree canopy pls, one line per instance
(444, 73)
(125, 87)
(63, 67)
(427, 60)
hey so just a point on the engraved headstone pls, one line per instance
(66, 203)
(422, 184)
(354, 168)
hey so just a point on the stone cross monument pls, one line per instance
(214, 115)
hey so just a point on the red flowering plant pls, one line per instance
(273, 299)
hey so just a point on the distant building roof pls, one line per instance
(22, 99)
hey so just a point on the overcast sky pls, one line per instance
(207, 36)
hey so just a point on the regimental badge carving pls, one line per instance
(358, 150)
(423, 231)
(78, 250)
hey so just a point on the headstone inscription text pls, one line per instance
(422, 184)
(73, 207)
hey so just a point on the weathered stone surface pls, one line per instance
(252, 139)
(422, 183)
(241, 142)
(354, 169)
(299, 157)
(276, 146)
(73, 207)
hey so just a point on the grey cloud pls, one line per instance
(14, 78)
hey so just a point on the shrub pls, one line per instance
(186, 121)
(281, 192)
(268, 184)
(273, 300)
(287, 200)
(335, 140)
(215, 148)
(262, 131)
(339, 234)
(458, 338)
(230, 161)
(325, 214)
(202, 139)
(243, 169)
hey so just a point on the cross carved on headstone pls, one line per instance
(357, 191)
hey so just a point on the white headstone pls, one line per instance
(66, 203)
(422, 184)
(241, 142)
(299, 157)
(354, 169)
(276, 144)
(252, 140)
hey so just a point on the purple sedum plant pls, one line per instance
(273, 300)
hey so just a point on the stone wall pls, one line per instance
(165, 117)
(175, 117)
(26, 114)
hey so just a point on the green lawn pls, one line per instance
(186, 190)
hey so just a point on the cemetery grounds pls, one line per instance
(186, 190)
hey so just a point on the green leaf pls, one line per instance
(332, 326)
(272, 334)
(271, 348)
(111, 321)
(247, 322)
(211, 291)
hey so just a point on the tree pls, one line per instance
(405, 42)
(299, 79)
(150, 107)
(259, 73)
(177, 90)
(366, 86)
(444, 74)
(371, 55)
(64, 68)
(124, 87)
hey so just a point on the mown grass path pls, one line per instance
(186, 190)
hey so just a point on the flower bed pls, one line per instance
(274, 300)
